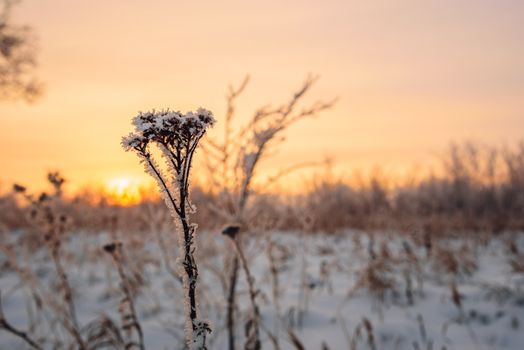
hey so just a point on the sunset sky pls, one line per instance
(411, 76)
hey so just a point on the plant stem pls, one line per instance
(231, 303)
(253, 333)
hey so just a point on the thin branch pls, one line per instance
(5, 325)
(162, 182)
(289, 170)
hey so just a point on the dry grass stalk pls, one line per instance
(103, 333)
(8, 327)
(295, 341)
(375, 277)
(126, 309)
(516, 258)
(276, 255)
(252, 330)
(456, 298)
(366, 325)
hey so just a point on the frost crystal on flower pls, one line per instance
(199, 334)
(132, 141)
(168, 126)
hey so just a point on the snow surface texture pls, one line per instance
(322, 297)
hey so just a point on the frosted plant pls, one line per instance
(127, 308)
(8, 327)
(176, 135)
(239, 155)
(50, 219)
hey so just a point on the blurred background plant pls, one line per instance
(17, 58)
(479, 188)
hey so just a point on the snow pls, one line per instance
(328, 310)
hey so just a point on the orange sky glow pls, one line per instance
(411, 76)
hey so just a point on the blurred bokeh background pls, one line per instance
(411, 77)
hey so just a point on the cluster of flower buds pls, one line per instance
(168, 128)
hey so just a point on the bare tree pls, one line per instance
(17, 58)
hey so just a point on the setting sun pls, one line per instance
(123, 191)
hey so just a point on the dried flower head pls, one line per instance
(56, 179)
(112, 247)
(19, 188)
(176, 135)
(231, 231)
(43, 197)
(167, 128)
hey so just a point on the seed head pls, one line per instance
(112, 247)
(231, 231)
(167, 127)
(18, 188)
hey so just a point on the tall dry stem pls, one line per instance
(176, 136)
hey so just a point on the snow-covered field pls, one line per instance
(334, 291)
